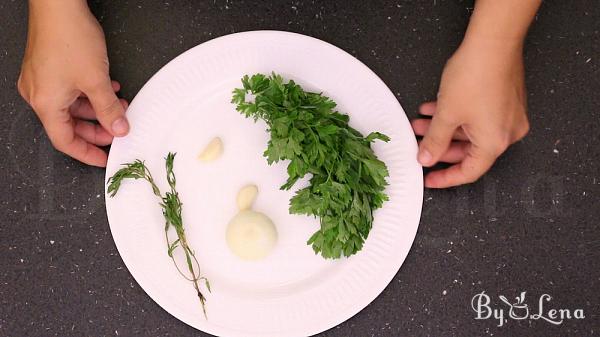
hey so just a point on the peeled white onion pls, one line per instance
(251, 235)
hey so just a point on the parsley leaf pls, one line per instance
(347, 180)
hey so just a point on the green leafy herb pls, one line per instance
(347, 180)
(171, 208)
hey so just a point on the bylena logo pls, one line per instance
(519, 310)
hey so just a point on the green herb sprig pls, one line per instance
(171, 209)
(347, 179)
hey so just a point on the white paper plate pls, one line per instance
(292, 292)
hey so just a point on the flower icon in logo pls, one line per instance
(519, 309)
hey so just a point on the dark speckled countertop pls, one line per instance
(530, 225)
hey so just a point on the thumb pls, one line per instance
(109, 111)
(437, 140)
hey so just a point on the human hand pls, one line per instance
(64, 77)
(480, 111)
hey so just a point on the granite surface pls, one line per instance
(530, 225)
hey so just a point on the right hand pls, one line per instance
(480, 112)
(64, 77)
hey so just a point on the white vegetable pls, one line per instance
(246, 197)
(212, 151)
(251, 235)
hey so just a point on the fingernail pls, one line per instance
(120, 126)
(424, 157)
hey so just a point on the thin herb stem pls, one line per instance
(171, 207)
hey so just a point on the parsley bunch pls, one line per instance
(347, 179)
